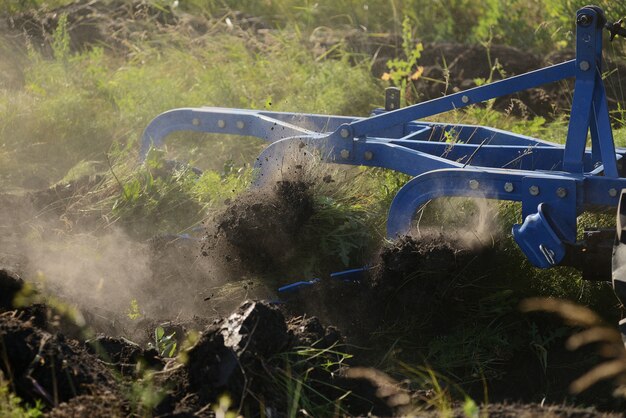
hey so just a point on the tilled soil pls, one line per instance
(250, 355)
(47, 367)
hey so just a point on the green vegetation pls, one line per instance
(11, 406)
(164, 344)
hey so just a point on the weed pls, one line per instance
(403, 72)
(133, 310)
(222, 408)
(303, 384)
(164, 344)
(11, 406)
(145, 396)
(61, 40)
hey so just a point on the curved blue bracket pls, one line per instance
(558, 189)
(268, 126)
(449, 183)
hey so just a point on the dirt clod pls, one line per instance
(215, 364)
(124, 355)
(46, 366)
(104, 404)
(262, 227)
(417, 274)
(10, 286)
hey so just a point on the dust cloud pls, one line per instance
(469, 223)
(102, 270)
(108, 270)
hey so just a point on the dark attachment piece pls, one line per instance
(392, 98)
(615, 28)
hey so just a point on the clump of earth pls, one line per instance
(243, 355)
(262, 226)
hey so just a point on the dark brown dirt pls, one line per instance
(453, 67)
(411, 281)
(11, 284)
(421, 278)
(124, 355)
(527, 410)
(101, 404)
(463, 64)
(250, 355)
(47, 367)
(92, 23)
(262, 226)
(245, 355)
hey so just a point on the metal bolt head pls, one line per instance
(368, 155)
(508, 187)
(240, 124)
(344, 132)
(474, 184)
(195, 122)
(584, 65)
(561, 192)
(465, 99)
(584, 20)
(612, 192)
(221, 123)
(533, 190)
(345, 154)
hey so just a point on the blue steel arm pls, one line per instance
(269, 126)
(462, 99)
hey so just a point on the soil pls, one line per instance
(262, 226)
(90, 23)
(48, 367)
(247, 355)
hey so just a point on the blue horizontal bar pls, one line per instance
(474, 95)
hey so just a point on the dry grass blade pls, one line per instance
(594, 335)
(609, 340)
(387, 388)
(572, 313)
(606, 370)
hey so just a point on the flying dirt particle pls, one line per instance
(262, 225)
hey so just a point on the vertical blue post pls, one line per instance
(587, 34)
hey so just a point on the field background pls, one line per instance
(75, 97)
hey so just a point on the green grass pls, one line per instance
(12, 406)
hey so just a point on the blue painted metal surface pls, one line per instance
(555, 183)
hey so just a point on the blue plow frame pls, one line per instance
(555, 183)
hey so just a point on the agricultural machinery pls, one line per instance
(555, 183)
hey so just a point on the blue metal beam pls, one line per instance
(459, 100)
